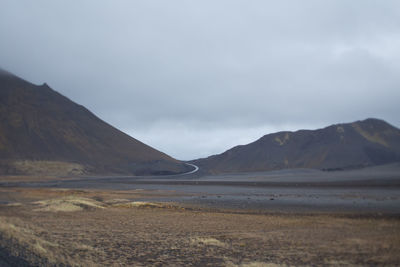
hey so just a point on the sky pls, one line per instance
(194, 78)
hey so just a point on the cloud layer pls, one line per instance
(193, 78)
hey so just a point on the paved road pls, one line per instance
(195, 169)
(375, 189)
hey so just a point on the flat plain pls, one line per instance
(227, 220)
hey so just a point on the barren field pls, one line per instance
(67, 227)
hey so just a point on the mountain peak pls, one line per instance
(339, 146)
(3, 72)
(40, 127)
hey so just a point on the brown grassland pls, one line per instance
(61, 227)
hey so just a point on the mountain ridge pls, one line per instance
(38, 124)
(339, 146)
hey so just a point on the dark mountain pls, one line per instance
(341, 146)
(42, 131)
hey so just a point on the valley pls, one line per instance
(75, 191)
(273, 218)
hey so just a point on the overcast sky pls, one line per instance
(194, 78)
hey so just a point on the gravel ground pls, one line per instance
(111, 228)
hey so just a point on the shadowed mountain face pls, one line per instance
(341, 146)
(41, 130)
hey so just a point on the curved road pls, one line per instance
(195, 169)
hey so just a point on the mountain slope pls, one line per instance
(37, 124)
(341, 146)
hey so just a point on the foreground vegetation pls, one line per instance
(49, 227)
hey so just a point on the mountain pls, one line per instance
(43, 132)
(341, 146)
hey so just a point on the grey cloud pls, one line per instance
(210, 74)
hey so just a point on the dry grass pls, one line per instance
(15, 204)
(48, 167)
(375, 138)
(116, 201)
(29, 195)
(26, 244)
(140, 204)
(282, 140)
(10, 230)
(139, 233)
(67, 204)
(255, 264)
(208, 241)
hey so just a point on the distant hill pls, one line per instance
(43, 132)
(341, 146)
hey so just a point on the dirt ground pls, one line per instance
(60, 227)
